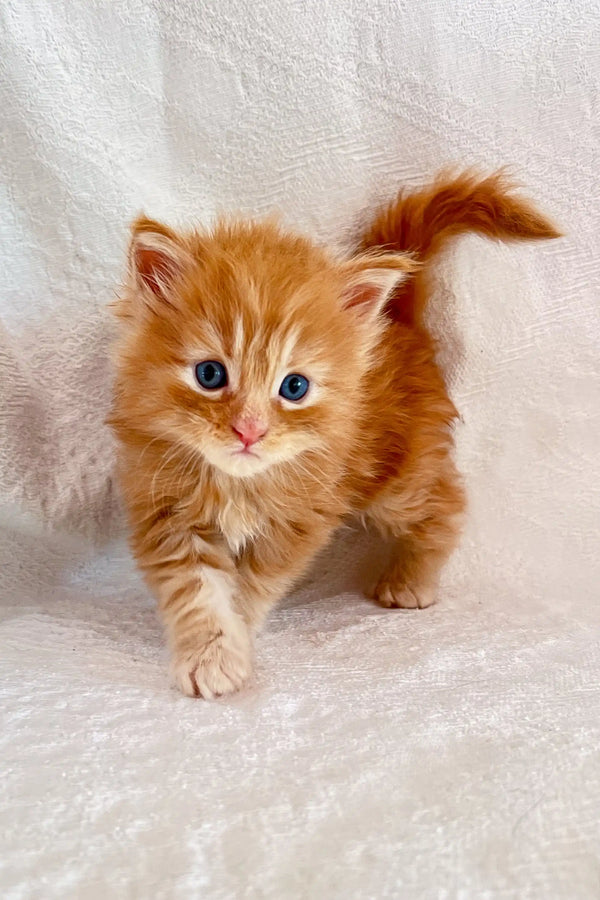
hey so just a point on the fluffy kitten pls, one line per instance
(265, 388)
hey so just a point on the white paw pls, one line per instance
(219, 664)
(404, 596)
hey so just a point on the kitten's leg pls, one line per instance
(196, 586)
(274, 562)
(425, 524)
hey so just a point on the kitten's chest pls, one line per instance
(239, 523)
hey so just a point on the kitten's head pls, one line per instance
(247, 344)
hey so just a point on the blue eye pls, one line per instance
(294, 387)
(211, 375)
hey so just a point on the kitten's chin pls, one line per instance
(240, 464)
(237, 464)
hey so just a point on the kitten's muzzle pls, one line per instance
(249, 431)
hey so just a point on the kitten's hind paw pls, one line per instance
(404, 596)
(220, 665)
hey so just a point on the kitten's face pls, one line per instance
(248, 346)
(250, 393)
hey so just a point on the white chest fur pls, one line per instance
(239, 525)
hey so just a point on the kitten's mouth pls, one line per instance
(245, 451)
(240, 462)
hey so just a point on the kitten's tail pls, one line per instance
(423, 222)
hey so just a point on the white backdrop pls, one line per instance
(450, 753)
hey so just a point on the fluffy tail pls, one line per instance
(423, 222)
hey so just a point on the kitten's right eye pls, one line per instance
(211, 375)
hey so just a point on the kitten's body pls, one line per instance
(222, 527)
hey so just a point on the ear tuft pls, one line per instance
(157, 258)
(371, 279)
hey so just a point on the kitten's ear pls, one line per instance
(157, 258)
(371, 279)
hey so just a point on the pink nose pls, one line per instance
(249, 431)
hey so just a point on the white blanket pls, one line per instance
(448, 753)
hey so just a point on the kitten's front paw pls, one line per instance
(219, 665)
(404, 596)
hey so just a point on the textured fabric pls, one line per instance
(453, 752)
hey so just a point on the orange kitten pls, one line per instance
(265, 388)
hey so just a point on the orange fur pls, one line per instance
(221, 534)
(423, 222)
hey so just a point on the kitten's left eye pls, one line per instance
(294, 387)
(211, 375)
